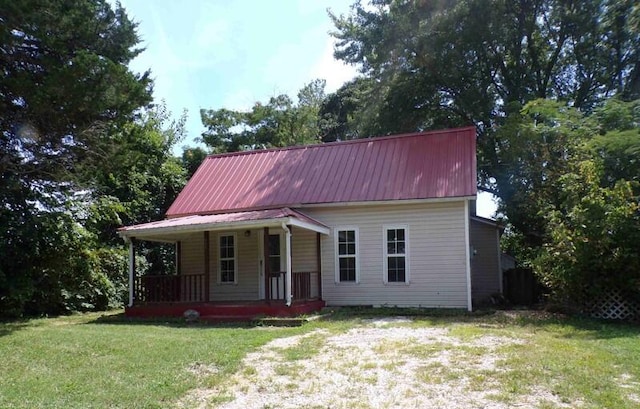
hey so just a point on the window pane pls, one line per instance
(400, 248)
(347, 269)
(396, 271)
(274, 244)
(391, 248)
(351, 236)
(274, 264)
(351, 248)
(400, 234)
(342, 249)
(342, 236)
(391, 235)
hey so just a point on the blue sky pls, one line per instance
(231, 53)
(214, 54)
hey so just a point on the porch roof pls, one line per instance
(215, 222)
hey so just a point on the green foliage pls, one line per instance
(592, 236)
(618, 145)
(192, 157)
(78, 155)
(278, 123)
(536, 146)
(437, 64)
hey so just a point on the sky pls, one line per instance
(230, 54)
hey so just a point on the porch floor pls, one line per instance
(222, 311)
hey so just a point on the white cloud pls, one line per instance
(333, 71)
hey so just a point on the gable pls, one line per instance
(427, 165)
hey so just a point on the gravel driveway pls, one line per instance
(385, 363)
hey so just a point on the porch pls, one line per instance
(238, 265)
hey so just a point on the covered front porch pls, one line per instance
(243, 265)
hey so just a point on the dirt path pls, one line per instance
(383, 364)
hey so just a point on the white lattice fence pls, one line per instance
(614, 305)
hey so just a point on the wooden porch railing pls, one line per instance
(169, 288)
(300, 287)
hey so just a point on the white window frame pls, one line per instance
(235, 259)
(385, 255)
(337, 254)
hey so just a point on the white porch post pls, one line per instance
(132, 269)
(287, 289)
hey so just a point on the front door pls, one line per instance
(276, 267)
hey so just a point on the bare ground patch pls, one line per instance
(383, 364)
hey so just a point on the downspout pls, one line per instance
(288, 277)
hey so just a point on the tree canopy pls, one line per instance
(81, 152)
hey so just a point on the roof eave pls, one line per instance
(150, 232)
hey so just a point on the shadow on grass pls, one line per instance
(8, 328)
(175, 322)
(566, 326)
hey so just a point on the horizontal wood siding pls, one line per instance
(247, 260)
(436, 255)
(303, 255)
(192, 251)
(485, 268)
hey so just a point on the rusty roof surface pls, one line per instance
(434, 164)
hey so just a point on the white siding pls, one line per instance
(436, 247)
(247, 261)
(192, 249)
(485, 267)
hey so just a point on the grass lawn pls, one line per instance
(90, 361)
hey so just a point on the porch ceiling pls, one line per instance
(163, 230)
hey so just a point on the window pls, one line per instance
(347, 255)
(274, 253)
(228, 266)
(395, 259)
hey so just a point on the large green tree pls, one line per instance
(445, 63)
(64, 86)
(279, 122)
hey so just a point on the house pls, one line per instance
(385, 222)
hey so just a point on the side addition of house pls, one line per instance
(385, 222)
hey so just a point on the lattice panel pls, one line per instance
(615, 306)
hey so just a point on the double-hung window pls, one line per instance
(228, 264)
(396, 267)
(347, 255)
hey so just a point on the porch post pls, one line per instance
(287, 281)
(319, 265)
(206, 267)
(178, 257)
(132, 269)
(267, 265)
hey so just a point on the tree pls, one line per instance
(277, 123)
(192, 157)
(591, 246)
(449, 63)
(618, 142)
(64, 86)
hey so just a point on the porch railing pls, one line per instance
(303, 287)
(169, 288)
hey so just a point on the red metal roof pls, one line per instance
(435, 164)
(199, 221)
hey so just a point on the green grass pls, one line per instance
(85, 361)
(82, 362)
